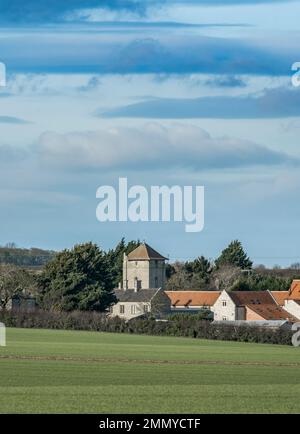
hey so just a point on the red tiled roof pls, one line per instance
(193, 298)
(280, 296)
(241, 298)
(294, 292)
(271, 312)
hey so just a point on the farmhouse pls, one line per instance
(142, 289)
(238, 305)
(142, 292)
(289, 300)
(249, 306)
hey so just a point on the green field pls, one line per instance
(86, 372)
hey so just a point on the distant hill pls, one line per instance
(32, 257)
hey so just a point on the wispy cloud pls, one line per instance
(13, 120)
(93, 83)
(226, 81)
(11, 154)
(45, 11)
(123, 53)
(272, 103)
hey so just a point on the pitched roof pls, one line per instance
(271, 312)
(242, 298)
(142, 295)
(280, 296)
(193, 298)
(144, 253)
(294, 292)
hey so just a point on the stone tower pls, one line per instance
(143, 268)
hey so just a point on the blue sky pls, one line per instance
(163, 92)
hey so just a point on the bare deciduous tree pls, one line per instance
(14, 282)
(226, 275)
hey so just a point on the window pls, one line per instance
(224, 303)
(122, 309)
(137, 283)
(133, 309)
(146, 308)
(224, 318)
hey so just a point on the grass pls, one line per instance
(47, 371)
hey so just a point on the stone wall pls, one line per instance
(224, 308)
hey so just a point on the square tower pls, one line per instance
(144, 268)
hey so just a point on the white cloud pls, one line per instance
(152, 146)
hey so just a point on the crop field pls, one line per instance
(47, 371)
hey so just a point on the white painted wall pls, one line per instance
(292, 307)
(224, 308)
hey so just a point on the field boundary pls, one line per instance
(146, 361)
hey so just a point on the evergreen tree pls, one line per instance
(258, 282)
(77, 279)
(200, 267)
(235, 255)
(115, 258)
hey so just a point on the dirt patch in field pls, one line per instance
(146, 361)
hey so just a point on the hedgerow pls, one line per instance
(181, 326)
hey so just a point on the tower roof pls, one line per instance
(145, 253)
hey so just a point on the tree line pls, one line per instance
(33, 257)
(232, 270)
(83, 278)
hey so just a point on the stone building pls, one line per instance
(249, 306)
(142, 289)
(21, 303)
(143, 268)
(141, 292)
(289, 300)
